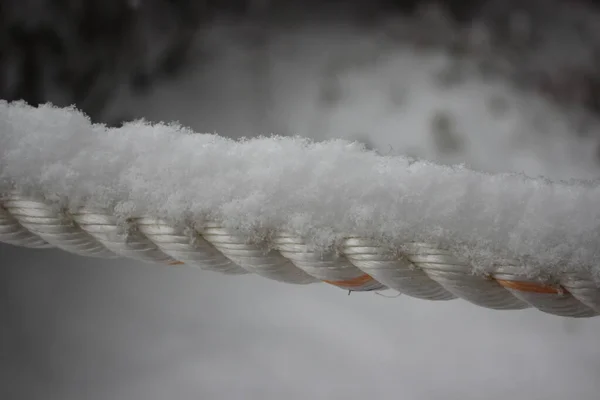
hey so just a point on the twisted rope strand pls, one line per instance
(360, 264)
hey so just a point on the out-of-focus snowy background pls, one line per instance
(499, 85)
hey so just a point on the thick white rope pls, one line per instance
(81, 213)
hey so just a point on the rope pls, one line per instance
(310, 213)
(359, 264)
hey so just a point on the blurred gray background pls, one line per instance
(501, 85)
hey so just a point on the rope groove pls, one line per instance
(360, 264)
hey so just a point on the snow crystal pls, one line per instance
(321, 190)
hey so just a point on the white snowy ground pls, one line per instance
(123, 330)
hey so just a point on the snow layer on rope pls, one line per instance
(324, 191)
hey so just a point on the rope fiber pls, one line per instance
(359, 264)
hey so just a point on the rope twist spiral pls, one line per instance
(359, 264)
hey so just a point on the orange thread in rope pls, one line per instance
(176, 262)
(530, 287)
(353, 282)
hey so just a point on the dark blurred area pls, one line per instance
(82, 51)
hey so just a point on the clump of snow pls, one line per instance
(320, 190)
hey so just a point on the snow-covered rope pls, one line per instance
(298, 212)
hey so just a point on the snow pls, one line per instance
(321, 190)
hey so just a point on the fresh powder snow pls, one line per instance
(323, 191)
